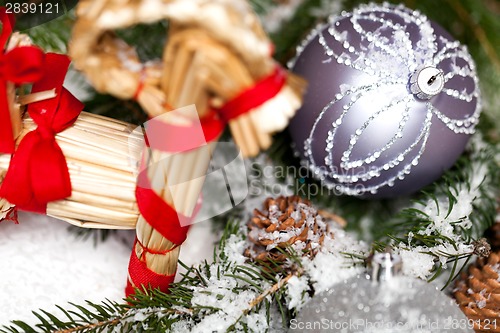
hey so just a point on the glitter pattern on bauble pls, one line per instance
(400, 305)
(391, 103)
(382, 301)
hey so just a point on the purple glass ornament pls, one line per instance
(391, 103)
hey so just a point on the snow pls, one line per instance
(234, 249)
(220, 292)
(447, 222)
(43, 265)
(481, 302)
(416, 263)
(230, 298)
(330, 265)
(297, 292)
(258, 321)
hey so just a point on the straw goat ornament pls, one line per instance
(217, 58)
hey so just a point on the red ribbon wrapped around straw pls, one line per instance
(20, 65)
(255, 96)
(159, 214)
(38, 172)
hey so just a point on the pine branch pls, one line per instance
(294, 30)
(186, 304)
(440, 224)
(54, 35)
(98, 235)
(90, 327)
(277, 286)
(478, 30)
(78, 319)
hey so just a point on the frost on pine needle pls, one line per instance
(222, 301)
(257, 321)
(449, 218)
(331, 265)
(416, 263)
(234, 248)
(227, 302)
(297, 292)
(230, 296)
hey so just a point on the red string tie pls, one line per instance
(140, 86)
(146, 249)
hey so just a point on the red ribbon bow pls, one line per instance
(21, 65)
(38, 172)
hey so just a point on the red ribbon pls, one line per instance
(141, 275)
(177, 139)
(159, 214)
(255, 96)
(21, 65)
(38, 172)
(173, 138)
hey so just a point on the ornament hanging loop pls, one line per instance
(383, 266)
(427, 82)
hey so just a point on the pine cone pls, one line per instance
(478, 293)
(286, 222)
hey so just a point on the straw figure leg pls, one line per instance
(175, 177)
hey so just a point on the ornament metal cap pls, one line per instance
(427, 82)
(383, 266)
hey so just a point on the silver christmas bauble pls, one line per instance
(391, 103)
(382, 301)
(400, 305)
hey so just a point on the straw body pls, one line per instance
(102, 156)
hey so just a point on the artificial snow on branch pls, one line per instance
(441, 228)
(231, 294)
